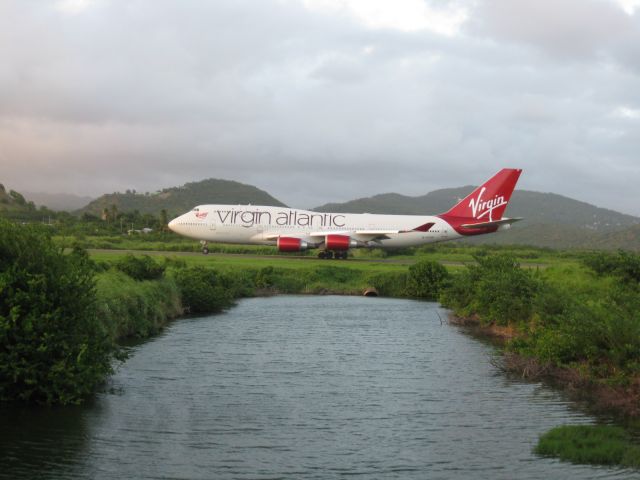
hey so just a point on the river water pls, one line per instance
(300, 387)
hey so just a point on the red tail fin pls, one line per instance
(488, 202)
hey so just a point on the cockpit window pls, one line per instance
(195, 209)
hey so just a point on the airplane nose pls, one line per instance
(172, 224)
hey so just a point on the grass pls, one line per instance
(590, 444)
(291, 275)
(448, 251)
(226, 261)
(130, 308)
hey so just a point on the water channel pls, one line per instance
(301, 387)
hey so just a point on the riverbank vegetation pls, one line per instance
(575, 325)
(590, 444)
(54, 347)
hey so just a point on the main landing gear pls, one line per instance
(205, 250)
(328, 254)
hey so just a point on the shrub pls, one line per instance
(622, 264)
(496, 288)
(140, 267)
(174, 262)
(426, 279)
(388, 284)
(505, 291)
(131, 308)
(53, 348)
(460, 292)
(593, 444)
(202, 290)
(264, 277)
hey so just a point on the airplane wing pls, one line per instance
(361, 235)
(495, 223)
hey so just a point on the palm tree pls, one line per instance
(114, 211)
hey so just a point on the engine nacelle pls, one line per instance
(339, 242)
(289, 244)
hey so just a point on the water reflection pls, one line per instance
(47, 441)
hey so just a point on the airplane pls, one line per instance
(334, 234)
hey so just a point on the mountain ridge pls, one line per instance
(534, 207)
(177, 200)
(549, 219)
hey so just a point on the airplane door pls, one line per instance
(212, 225)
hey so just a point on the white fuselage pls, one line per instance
(263, 225)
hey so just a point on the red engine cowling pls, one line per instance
(289, 244)
(339, 242)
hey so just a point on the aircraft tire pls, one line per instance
(205, 251)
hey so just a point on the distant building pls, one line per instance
(145, 230)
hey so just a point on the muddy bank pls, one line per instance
(601, 394)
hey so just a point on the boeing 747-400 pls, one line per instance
(292, 230)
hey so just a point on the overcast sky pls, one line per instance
(321, 101)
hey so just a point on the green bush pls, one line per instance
(597, 324)
(202, 290)
(238, 284)
(426, 279)
(53, 347)
(622, 264)
(389, 284)
(591, 444)
(460, 292)
(495, 288)
(130, 308)
(264, 277)
(141, 267)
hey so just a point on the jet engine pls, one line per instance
(289, 244)
(339, 242)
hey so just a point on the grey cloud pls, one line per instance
(566, 28)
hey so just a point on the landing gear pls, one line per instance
(329, 254)
(205, 250)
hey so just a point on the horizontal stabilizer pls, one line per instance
(495, 223)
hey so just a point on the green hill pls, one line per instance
(178, 200)
(550, 220)
(13, 205)
(535, 207)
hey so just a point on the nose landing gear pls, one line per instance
(205, 250)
